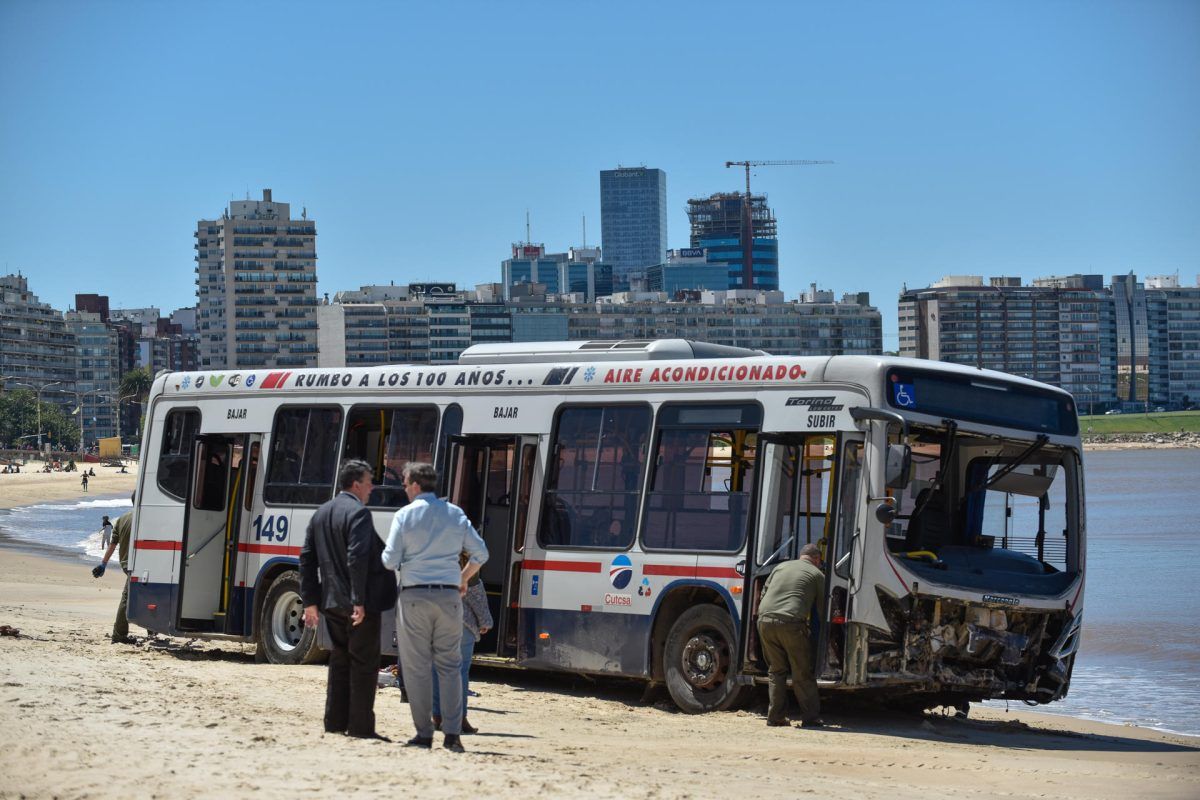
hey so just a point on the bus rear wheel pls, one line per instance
(282, 637)
(699, 659)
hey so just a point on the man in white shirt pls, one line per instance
(424, 544)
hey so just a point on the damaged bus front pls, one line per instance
(978, 534)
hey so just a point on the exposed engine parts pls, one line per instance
(940, 645)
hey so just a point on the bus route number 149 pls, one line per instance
(271, 528)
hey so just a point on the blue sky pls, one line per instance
(1015, 138)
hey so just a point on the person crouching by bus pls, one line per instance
(341, 574)
(426, 538)
(122, 533)
(785, 634)
(477, 620)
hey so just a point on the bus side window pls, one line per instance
(304, 456)
(594, 477)
(178, 439)
(389, 439)
(699, 498)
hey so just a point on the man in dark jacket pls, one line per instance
(341, 572)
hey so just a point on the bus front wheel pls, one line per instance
(698, 661)
(282, 637)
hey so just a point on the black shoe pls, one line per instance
(779, 723)
(373, 736)
(453, 743)
(815, 722)
(403, 695)
(124, 640)
(468, 728)
(420, 741)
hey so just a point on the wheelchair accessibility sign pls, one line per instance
(903, 395)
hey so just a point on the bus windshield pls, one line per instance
(989, 514)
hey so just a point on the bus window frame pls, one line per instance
(651, 454)
(524, 493)
(337, 450)
(191, 453)
(441, 444)
(550, 475)
(438, 411)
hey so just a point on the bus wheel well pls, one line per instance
(674, 604)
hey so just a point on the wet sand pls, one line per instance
(80, 717)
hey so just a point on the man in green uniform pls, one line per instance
(784, 633)
(122, 534)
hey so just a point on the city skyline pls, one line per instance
(1019, 140)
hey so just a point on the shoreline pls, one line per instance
(31, 488)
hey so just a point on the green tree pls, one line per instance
(19, 421)
(136, 382)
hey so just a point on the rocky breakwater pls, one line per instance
(1135, 441)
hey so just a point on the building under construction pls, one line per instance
(717, 224)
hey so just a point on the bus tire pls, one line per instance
(699, 659)
(282, 637)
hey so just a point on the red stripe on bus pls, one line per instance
(896, 571)
(561, 566)
(156, 544)
(1075, 599)
(270, 549)
(691, 572)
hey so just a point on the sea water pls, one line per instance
(67, 526)
(1139, 661)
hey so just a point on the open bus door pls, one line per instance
(490, 479)
(222, 467)
(795, 496)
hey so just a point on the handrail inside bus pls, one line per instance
(860, 413)
(207, 542)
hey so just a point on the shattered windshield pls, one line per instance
(971, 495)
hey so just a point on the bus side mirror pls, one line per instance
(899, 463)
(886, 512)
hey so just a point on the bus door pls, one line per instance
(490, 478)
(796, 479)
(843, 557)
(217, 489)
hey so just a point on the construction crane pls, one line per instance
(748, 216)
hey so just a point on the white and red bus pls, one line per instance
(634, 496)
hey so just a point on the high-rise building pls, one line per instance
(37, 350)
(1133, 339)
(687, 269)
(1131, 345)
(256, 287)
(529, 264)
(718, 226)
(97, 374)
(633, 220)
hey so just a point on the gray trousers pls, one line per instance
(430, 637)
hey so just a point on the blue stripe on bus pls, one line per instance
(598, 641)
(160, 619)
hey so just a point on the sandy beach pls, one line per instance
(80, 717)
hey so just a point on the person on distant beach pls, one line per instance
(83, 481)
(121, 535)
(424, 544)
(106, 531)
(342, 577)
(785, 634)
